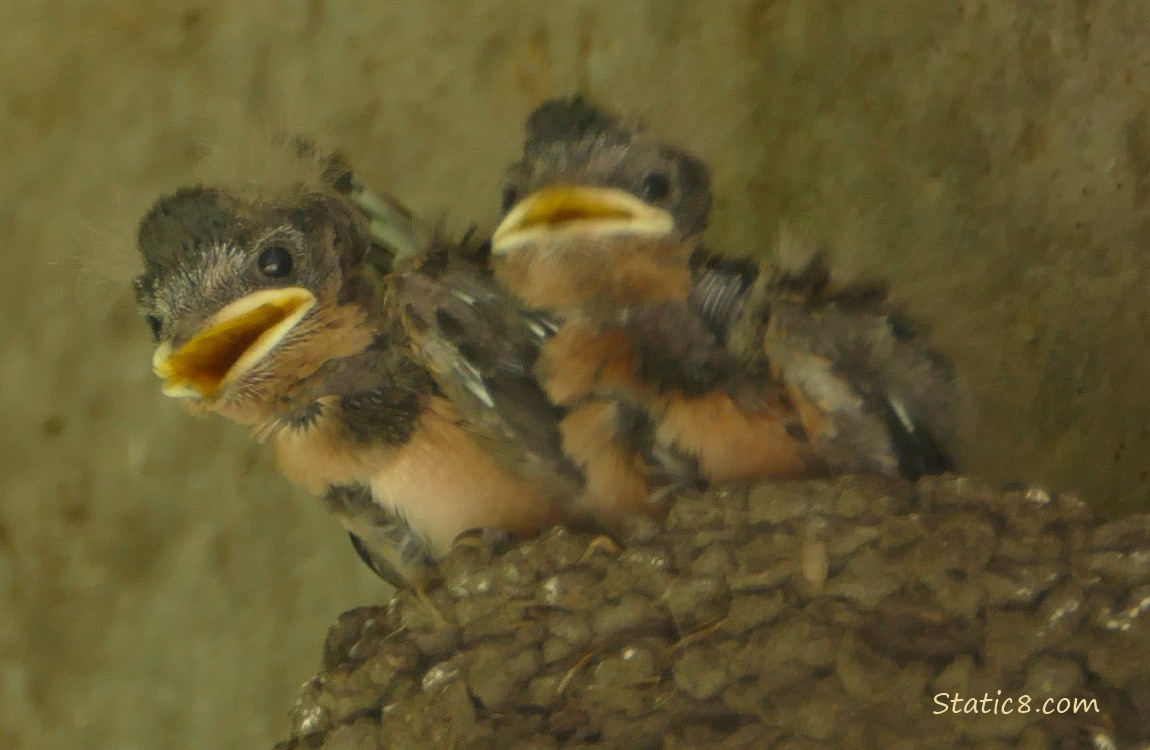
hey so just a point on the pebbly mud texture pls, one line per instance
(790, 615)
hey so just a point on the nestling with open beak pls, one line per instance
(750, 370)
(278, 309)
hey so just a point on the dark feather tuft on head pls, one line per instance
(571, 119)
(184, 223)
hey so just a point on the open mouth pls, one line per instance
(230, 342)
(578, 208)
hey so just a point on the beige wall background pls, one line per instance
(160, 585)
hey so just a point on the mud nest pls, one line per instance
(832, 614)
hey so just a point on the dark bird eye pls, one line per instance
(656, 186)
(510, 198)
(275, 261)
(155, 324)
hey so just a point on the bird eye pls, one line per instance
(155, 324)
(275, 261)
(656, 186)
(510, 198)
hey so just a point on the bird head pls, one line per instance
(569, 142)
(235, 289)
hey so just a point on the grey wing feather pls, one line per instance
(383, 540)
(894, 406)
(719, 291)
(393, 226)
(483, 347)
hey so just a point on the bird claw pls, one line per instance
(491, 540)
(601, 543)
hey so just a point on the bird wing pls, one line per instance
(877, 398)
(481, 347)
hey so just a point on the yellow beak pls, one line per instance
(231, 341)
(578, 209)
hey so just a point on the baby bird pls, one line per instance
(631, 360)
(749, 370)
(279, 308)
